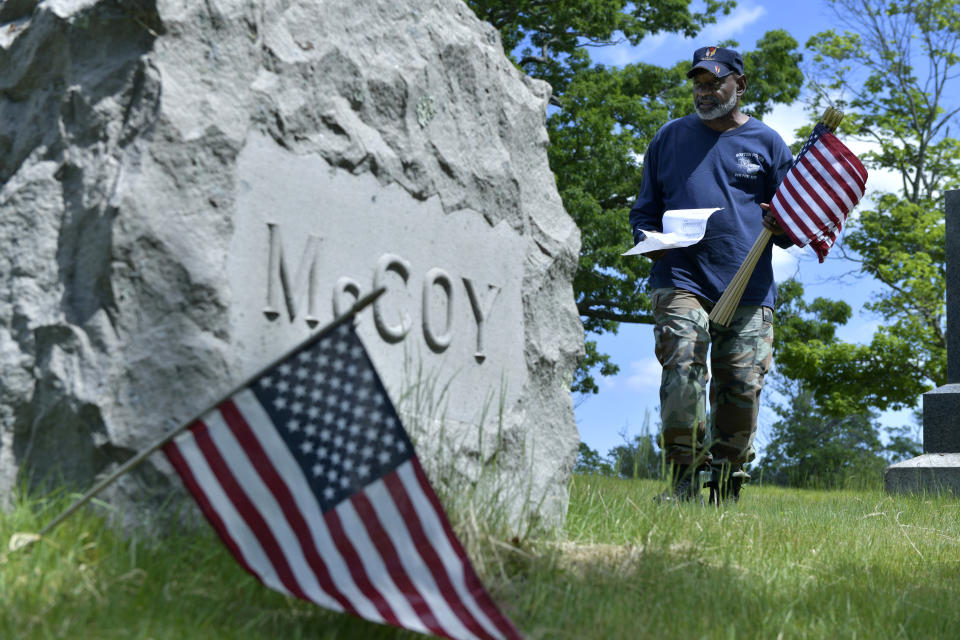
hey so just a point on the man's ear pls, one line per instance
(741, 84)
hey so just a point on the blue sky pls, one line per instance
(624, 399)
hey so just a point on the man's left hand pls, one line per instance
(770, 222)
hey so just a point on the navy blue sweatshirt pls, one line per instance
(688, 165)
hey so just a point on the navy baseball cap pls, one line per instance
(717, 60)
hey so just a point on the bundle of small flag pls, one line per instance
(811, 204)
(824, 185)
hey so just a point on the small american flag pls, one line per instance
(822, 187)
(311, 481)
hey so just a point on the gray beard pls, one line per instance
(718, 111)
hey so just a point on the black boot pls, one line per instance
(725, 483)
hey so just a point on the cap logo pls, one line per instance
(711, 51)
(717, 67)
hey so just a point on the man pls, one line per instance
(717, 157)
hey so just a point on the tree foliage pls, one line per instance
(589, 462)
(841, 375)
(542, 35)
(604, 118)
(638, 457)
(892, 70)
(813, 447)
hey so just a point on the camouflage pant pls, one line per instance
(740, 356)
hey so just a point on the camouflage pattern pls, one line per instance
(740, 357)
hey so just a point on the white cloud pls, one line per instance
(644, 375)
(784, 118)
(674, 45)
(737, 21)
(859, 333)
(629, 54)
(606, 383)
(884, 180)
(785, 262)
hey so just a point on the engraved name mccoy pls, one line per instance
(288, 288)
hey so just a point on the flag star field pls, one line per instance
(347, 434)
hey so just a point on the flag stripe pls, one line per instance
(251, 488)
(824, 184)
(398, 527)
(784, 213)
(471, 581)
(357, 569)
(818, 189)
(800, 216)
(452, 554)
(846, 187)
(285, 510)
(174, 455)
(461, 605)
(826, 176)
(391, 560)
(284, 463)
(851, 167)
(247, 510)
(792, 223)
(856, 171)
(375, 566)
(238, 529)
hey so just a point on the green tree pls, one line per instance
(603, 119)
(810, 447)
(589, 462)
(638, 457)
(891, 70)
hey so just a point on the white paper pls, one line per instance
(681, 228)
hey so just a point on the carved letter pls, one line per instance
(390, 262)
(344, 285)
(279, 281)
(438, 343)
(481, 311)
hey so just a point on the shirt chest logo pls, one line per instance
(748, 165)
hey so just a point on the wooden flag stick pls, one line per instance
(727, 304)
(21, 540)
(730, 299)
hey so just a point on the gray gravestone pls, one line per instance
(189, 189)
(939, 466)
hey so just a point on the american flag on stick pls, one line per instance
(824, 185)
(811, 204)
(312, 483)
(309, 478)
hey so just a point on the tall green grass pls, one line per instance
(781, 563)
(87, 580)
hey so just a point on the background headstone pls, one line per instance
(939, 466)
(188, 189)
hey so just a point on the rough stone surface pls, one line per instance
(188, 188)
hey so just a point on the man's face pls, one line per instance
(714, 97)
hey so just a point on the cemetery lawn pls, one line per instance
(782, 563)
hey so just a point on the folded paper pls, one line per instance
(681, 228)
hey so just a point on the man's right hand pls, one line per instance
(656, 255)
